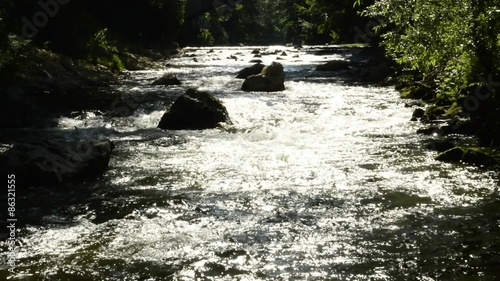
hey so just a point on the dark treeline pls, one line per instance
(100, 31)
(68, 26)
(265, 22)
(96, 31)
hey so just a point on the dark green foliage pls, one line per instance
(69, 28)
(450, 43)
(451, 47)
(262, 22)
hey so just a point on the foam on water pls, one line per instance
(314, 183)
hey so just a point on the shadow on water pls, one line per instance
(97, 201)
(458, 243)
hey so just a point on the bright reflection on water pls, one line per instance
(324, 181)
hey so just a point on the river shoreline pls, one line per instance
(325, 179)
(54, 85)
(464, 130)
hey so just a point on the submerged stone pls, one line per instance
(479, 156)
(167, 80)
(334, 65)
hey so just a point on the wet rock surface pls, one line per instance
(50, 162)
(271, 79)
(194, 110)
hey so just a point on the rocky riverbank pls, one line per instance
(462, 130)
(46, 84)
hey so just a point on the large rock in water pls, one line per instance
(334, 65)
(194, 110)
(271, 79)
(251, 70)
(167, 80)
(50, 162)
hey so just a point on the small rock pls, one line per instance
(335, 65)
(251, 70)
(433, 130)
(451, 155)
(167, 80)
(418, 113)
(441, 145)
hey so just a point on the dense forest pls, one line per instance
(447, 52)
(90, 29)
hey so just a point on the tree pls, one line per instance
(447, 41)
(455, 47)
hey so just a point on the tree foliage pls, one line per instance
(282, 21)
(70, 27)
(450, 43)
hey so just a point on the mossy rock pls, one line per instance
(194, 110)
(454, 154)
(481, 157)
(434, 112)
(417, 91)
(167, 80)
(453, 110)
(441, 145)
(334, 65)
(478, 156)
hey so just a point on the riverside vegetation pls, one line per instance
(447, 53)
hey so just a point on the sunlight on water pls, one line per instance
(314, 183)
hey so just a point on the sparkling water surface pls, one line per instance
(326, 180)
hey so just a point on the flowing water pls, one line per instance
(324, 181)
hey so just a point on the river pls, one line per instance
(326, 180)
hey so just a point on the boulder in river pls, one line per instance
(271, 79)
(334, 65)
(251, 70)
(194, 110)
(50, 162)
(167, 80)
